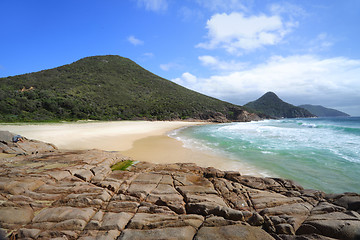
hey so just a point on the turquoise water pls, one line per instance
(318, 153)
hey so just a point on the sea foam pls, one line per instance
(321, 153)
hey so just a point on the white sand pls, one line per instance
(110, 136)
(140, 140)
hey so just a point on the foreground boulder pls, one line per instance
(11, 143)
(75, 195)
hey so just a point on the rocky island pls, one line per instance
(46, 193)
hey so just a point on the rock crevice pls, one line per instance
(75, 195)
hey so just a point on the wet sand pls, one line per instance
(164, 149)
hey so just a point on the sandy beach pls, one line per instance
(109, 136)
(140, 140)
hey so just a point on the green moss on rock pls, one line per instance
(122, 166)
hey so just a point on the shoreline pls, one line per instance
(83, 196)
(75, 194)
(167, 150)
(108, 136)
(141, 140)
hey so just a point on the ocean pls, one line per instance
(318, 153)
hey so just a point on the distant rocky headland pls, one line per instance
(273, 106)
(321, 111)
(50, 193)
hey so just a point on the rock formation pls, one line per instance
(273, 106)
(15, 144)
(75, 195)
(321, 111)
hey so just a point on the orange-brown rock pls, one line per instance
(75, 195)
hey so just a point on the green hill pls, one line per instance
(106, 88)
(273, 106)
(321, 111)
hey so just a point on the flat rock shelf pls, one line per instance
(75, 195)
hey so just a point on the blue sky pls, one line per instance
(236, 50)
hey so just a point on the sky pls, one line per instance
(306, 51)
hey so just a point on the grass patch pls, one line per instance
(122, 166)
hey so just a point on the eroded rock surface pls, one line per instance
(75, 195)
(11, 143)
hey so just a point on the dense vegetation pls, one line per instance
(273, 106)
(103, 88)
(321, 111)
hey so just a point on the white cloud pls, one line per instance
(190, 14)
(186, 78)
(298, 79)
(288, 9)
(149, 55)
(153, 5)
(169, 66)
(235, 32)
(223, 5)
(134, 41)
(217, 64)
(208, 60)
(322, 42)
